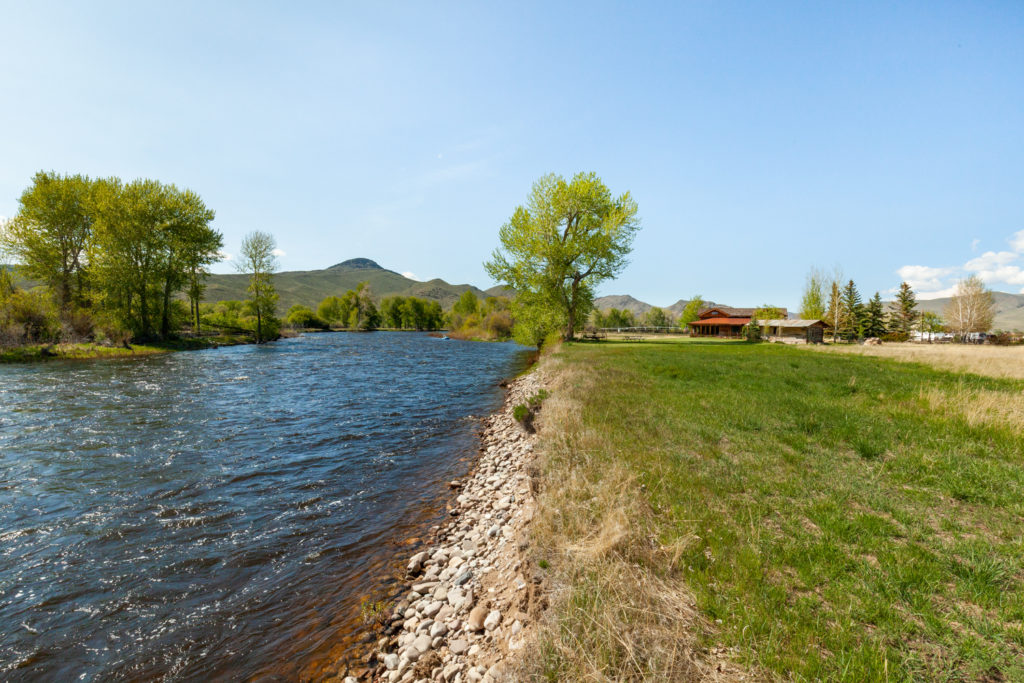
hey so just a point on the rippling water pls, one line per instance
(218, 514)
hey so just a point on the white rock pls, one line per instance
(391, 661)
(416, 561)
(422, 642)
(492, 620)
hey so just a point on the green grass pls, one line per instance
(835, 525)
(44, 352)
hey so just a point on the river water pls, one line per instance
(218, 515)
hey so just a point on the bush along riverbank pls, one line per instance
(472, 596)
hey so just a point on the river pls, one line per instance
(220, 514)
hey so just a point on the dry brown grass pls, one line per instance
(993, 361)
(978, 406)
(618, 610)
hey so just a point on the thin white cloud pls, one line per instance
(991, 259)
(997, 269)
(924, 277)
(224, 256)
(1017, 241)
(279, 253)
(411, 276)
(974, 244)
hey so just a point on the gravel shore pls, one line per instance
(472, 598)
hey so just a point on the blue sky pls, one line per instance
(759, 139)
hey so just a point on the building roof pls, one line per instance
(721, 321)
(790, 323)
(730, 312)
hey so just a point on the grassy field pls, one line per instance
(713, 510)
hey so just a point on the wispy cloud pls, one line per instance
(411, 276)
(279, 253)
(224, 256)
(997, 269)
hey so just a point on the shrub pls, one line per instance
(78, 326)
(301, 317)
(521, 412)
(112, 331)
(752, 331)
(33, 313)
(895, 337)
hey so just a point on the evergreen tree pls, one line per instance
(854, 314)
(874, 317)
(904, 314)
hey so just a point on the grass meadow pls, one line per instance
(731, 511)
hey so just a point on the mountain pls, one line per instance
(1009, 310)
(625, 302)
(310, 287)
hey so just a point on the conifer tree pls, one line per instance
(853, 322)
(874, 317)
(904, 312)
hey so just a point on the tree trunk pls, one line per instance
(165, 319)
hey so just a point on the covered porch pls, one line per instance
(729, 328)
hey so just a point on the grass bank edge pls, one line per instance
(35, 353)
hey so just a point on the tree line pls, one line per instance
(357, 310)
(113, 257)
(825, 297)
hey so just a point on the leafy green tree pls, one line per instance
(330, 310)
(370, 318)
(656, 317)
(190, 246)
(52, 233)
(554, 250)
(467, 305)
(874, 317)
(303, 317)
(691, 311)
(128, 252)
(391, 312)
(259, 261)
(768, 312)
(836, 312)
(812, 302)
(929, 323)
(6, 283)
(853, 310)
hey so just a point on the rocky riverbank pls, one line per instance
(472, 599)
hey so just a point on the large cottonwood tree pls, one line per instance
(570, 236)
(52, 232)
